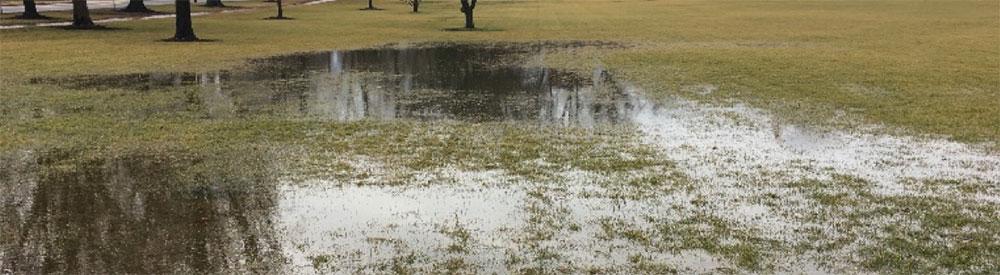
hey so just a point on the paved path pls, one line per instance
(92, 4)
(157, 16)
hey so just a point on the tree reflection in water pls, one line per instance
(471, 83)
(134, 214)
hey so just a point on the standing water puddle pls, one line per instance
(456, 82)
(139, 215)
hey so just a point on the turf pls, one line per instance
(922, 67)
(930, 67)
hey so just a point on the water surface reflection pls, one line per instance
(161, 212)
(134, 214)
(453, 82)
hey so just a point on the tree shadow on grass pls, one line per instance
(91, 28)
(141, 11)
(279, 18)
(371, 9)
(32, 17)
(472, 30)
(190, 41)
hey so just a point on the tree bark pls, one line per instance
(371, 5)
(30, 11)
(467, 9)
(214, 3)
(416, 6)
(468, 20)
(281, 12)
(81, 15)
(185, 32)
(136, 6)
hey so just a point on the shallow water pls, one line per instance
(150, 213)
(454, 82)
(741, 155)
(142, 215)
(719, 143)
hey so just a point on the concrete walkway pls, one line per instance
(91, 4)
(156, 16)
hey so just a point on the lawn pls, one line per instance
(910, 89)
(929, 67)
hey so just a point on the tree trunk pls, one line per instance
(416, 6)
(467, 9)
(214, 3)
(281, 12)
(468, 20)
(184, 30)
(136, 6)
(30, 11)
(371, 5)
(81, 15)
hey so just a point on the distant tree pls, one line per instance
(214, 3)
(467, 10)
(136, 6)
(371, 6)
(281, 12)
(30, 11)
(185, 32)
(81, 15)
(413, 3)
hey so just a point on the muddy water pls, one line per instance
(161, 214)
(456, 82)
(724, 143)
(135, 214)
(740, 155)
(150, 214)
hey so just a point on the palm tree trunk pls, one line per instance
(81, 15)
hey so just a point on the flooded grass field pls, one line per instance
(468, 158)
